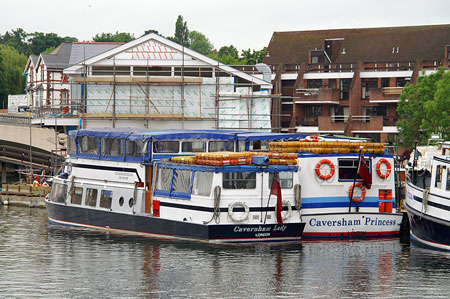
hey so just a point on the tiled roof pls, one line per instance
(365, 44)
(68, 54)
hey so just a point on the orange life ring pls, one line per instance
(388, 165)
(363, 193)
(322, 176)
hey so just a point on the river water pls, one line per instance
(42, 260)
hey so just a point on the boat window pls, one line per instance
(88, 145)
(135, 148)
(202, 183)
(91, 197)
(448, 180)
(182, 181)
(163, 179)
(71, 146)
(77, 195)
(58, 193)
(121, 200)
(347, 169)
(112, 147)
(193, 146)
(166, 147)
(239, 180)
(438, 178)
(105, 199)
(221, 146)
(285, 180)
(130, 202)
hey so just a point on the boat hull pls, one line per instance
(352, 225)
(149, 225)
(426, 229)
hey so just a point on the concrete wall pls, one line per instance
(42, 138)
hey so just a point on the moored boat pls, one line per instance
(336, 200)
(110, 183)
(428, 198)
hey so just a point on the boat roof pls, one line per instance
(158, 135)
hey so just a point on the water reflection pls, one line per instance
(52, 261)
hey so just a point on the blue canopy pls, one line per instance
(227, 169)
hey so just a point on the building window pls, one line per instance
(345, 88)
(77, 195)
(315, 83)
(400, 82)
(286, 181)
(366, 85)
(339, 113)
(313, 111)
(332, 83)
(154, 71)
(105, 199)
(91, 197)
(375, 110)
(239, 180)
(384, 82)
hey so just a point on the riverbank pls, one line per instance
(23, 195)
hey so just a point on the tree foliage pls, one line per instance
(181, 32)
(117, 37)
(424, 109)
(254, 57)
(39, 42)
(200, 43)
(12, 65)
(228, 50)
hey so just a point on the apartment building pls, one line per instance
(348, 81)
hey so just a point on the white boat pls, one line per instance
(327, 177)
(110, 182)
(428, 198)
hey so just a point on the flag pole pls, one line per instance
(268, 201)
(354, 181)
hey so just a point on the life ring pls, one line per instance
(285, 215)
(314, 138)
(388, 166)
(242, 217)
(363, 193)
(36, 183)
(323, 176)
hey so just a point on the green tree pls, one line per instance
(117, 37)
(181, 32)
(11, 69)
(254, 57)
(228, 59)
(40, 41)
(229, 50)
(17, 39)
(424, 108)
(200, 43)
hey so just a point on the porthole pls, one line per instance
(121, 200)
(130, 202)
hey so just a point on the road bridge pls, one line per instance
(23, 145)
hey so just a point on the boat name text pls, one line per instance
(349, 222)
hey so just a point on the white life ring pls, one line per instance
(241, 218)
(285, 215)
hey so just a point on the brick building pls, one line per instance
(348, 81)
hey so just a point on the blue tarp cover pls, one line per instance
(226, 169)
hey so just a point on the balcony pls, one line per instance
(367, 123)
(317, 96)
(384, 95)
(333, 124)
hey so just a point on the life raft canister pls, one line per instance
(388, 167)
(363, 193)
(323, 176)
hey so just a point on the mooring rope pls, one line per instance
(216, 213)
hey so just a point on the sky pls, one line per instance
(244, 24)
